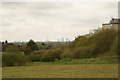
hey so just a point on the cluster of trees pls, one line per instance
(20, 54)
(85, 46)
(11, 55)
(99, 42)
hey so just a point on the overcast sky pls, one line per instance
(43, 21)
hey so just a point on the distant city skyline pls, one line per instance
(51, 21)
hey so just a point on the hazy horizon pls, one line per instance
(42, 21)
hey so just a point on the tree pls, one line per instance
(2, 43)
(6, 41)
(31, 46)
(43, 44)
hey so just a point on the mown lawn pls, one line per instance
(50, 70)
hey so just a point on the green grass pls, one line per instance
(102, 67)
(99, 60)
(48, 70)
(62, 71)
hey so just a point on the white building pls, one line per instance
(113, 23)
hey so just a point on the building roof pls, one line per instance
(115, 21)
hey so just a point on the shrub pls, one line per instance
(82, 52)
(100, 42)
(51, 55)
(36, 55)
(12, 59)
(21, 60)
(56, 52)
(67, 54)
(103, 40)
(27, 51)
(83, 40)
(47, 57)
(12, 49)
(114, 46)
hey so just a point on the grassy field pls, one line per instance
(59, 70)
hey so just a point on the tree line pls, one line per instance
(86, 46)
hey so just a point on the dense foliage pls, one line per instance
(86, 46)
(36, 55)
(12, 59)
(30, 47)
(12, 49)
(99, 42)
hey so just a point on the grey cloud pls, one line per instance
(53, 20)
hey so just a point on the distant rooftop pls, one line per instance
(115, 21)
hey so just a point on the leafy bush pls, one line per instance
(22, 60)
(99, 42)
(51, 55)
(12, 59)
(82, 52)
(36, 55)
(114, 46)
(84, 40)
(56, 52)
(27, 51)
(12, 49)
(67, 54)
(103, 40)
(47, 57)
